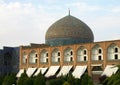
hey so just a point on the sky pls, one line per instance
(26, 21)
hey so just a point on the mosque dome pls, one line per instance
(68, 30)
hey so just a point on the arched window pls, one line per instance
(32, 57)
(82, 54)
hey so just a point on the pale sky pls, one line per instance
(26, 21)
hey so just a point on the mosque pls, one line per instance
(70, 47)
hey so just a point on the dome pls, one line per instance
(68, 30)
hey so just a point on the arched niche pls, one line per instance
(97, 53)
(33, 57)
(44, 56)
(55, 58)
(113, 52)
(68, 55)
(82, 54)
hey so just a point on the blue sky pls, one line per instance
(26, 21)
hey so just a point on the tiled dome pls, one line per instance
(68, 30)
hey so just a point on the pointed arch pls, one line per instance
(97, 53)
(82, 54)
(44, 56)
(33, 57)
(68, 54)
(55, 58)
(113, 52)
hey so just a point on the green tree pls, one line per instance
(39, 79)
(9, 79)
(114, 79)
(71, 79)
(29, 81)
(21, 80)
(66, 83)
(1, 79)
(86, 80)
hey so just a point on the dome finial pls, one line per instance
(69, 11)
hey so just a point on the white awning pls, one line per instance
(43, 70)
(79, 71)
(52, 70)
(64, 71)
(109, 70)
(19, 73)
(30, 71)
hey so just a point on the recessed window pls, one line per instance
(116, 57)
(116, 50)
(99, 58)
(71, 59)
(85, 52)
(85, 58)
(71, 53)
(35, 60)
(46, 54)
(58, 59)
(58, 53)
(99, 51)
(46, 60)
(35, 55)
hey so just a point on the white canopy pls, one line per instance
(30, 71)
(79, 71)
(19, 73)
(52, 70)
(64, 71)
(109, 70)
(43, 70)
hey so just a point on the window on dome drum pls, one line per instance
(116, 56)
(116, 50)
(85, 58)
(84, 52)
(99, 51)
(99, 58)
(58, 53)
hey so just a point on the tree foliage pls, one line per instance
(114, 79)
(9, 79)
(39, 79)
(22, 79)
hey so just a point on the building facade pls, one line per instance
(70, 42)
(90, 54)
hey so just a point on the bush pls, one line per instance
(9, 79)
(21, 80)
(1, 79)
(29, 81)
(39, 79)
(66, 83)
